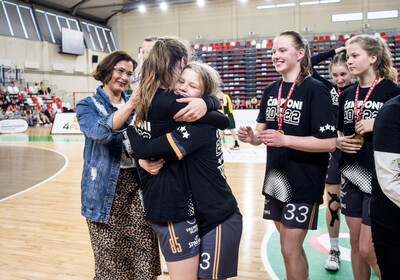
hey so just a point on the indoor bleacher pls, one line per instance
(246, 67)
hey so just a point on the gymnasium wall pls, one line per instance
(233, 20)
(42, 62)
(217, 21)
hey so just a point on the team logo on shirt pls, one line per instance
(219, 154)
(370, 110)
(334, 97)
(292, 112)
(144, 130)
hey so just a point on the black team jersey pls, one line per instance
(293, 175)
(166, 196)
(358, 168)
(200, 147)
(332, 87)
(387, 147)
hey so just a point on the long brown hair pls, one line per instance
(300, 43)
(104, 69)
(158, 70)
(383, 66)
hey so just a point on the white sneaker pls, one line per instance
(165, 269)
(332, 263)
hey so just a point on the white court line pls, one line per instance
(264, 248)
(264, 253)
(245, 155)
(44, 181)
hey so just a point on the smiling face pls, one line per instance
(119, 81)
(340, 75)
(358, 60)
(284, 55)
(188, 84)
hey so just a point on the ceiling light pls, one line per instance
(329, 1)
(142, 8)
(309, 3)
(163, 6)
(285, 5)
(276, 6)
(347, 17)
(200, 3)
(265, 7)
(383, 14)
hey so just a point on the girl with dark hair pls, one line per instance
(123, 243)
(341, 79)
(297, 125)
(369, 60)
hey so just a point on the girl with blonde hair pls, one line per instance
(369, 60)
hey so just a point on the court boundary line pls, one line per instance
(44, 181)
(264, 250)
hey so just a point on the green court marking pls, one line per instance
(316, 259)
(51, 138)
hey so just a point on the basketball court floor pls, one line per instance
(44, 236)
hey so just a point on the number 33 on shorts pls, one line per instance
(297, 215)
(300, 215)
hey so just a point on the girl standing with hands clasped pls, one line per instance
(368, 59)
(297, 125)
(341, 79)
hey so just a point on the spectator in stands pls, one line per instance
(49, 114)
(7, 100)
(226, 105)
(17, 112)
(236, 104)
(36, 88)
(1, 101)
(254, 102)
(243, 103)
(42, 89)
(27, 115)
(2, 114)
(369, 59)
(40, 117)
(341, 79)
(124, 244)
(9, 112)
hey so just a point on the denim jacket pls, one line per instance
(102, 154)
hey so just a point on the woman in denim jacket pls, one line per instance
(124, 244)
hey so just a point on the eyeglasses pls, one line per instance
(121, 71)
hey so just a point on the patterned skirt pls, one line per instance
(126, 247)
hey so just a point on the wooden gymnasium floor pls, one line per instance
(44, 236)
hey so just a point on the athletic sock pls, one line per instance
(334, 243)
(236, 143)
